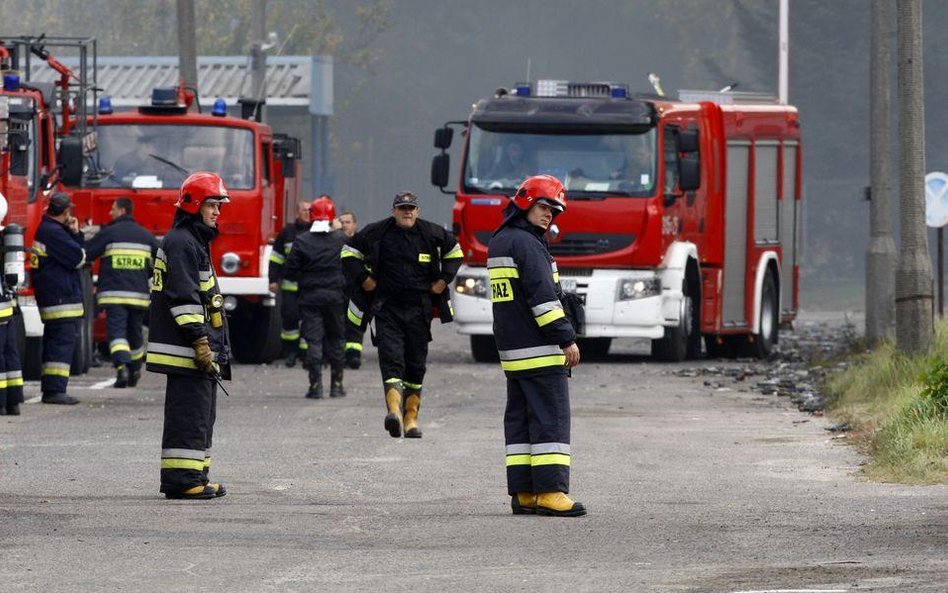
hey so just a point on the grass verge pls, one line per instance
(897, 408)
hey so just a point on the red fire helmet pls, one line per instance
(544, 188)
(198, 187)
(322, 208)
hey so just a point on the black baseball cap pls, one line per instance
(59, 203)
(405, 198)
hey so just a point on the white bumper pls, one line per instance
(244, 286)
(606, 315)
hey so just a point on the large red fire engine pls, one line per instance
(146, 154)
(40, 125)
(683, 216)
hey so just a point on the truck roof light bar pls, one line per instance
(581, 90)
(727, 97)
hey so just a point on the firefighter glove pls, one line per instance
(202, 354)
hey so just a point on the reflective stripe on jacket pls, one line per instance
(530, 326)
(56, 261)
(183, 286)
(127, 251)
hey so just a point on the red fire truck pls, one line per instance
(683, 216)
(146, 154)
(41, 124)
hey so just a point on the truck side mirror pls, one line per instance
(688, 141)
(440, 169)
(19, 153)
(70, 160)
(443, 137)
(689, 173)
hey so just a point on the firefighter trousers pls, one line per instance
(290, 322)
(190, 412)
(123, 330)
(60, 338)
(354, 337)
(536, 431)
(402, 332)
(323, 332)
(11, 373)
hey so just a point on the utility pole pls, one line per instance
(783, 52)
(880, 254)
(187, 46)
(913, 277)
(258, 57)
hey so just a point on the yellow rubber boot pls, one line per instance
(412, 405)
(393, 421)
(557, 504)
(524, 503)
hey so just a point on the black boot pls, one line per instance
(335, 384)
(353, 359)
(121, 377)
(133, 376)
(315, 382)
(291, 357)
(50, 397)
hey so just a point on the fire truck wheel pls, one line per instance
(31, 350)
(684, 340)
(484, 349)
(760, 345)
(255, 332)
(82, 357)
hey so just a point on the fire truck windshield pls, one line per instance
(162, 156)
(590, 165)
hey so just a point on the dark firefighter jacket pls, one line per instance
(434, 249)
(126, 249)
(530, 326)
(182, 302)
(281, 250)
(56, 261)
(313, 263)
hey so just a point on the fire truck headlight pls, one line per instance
(475, 286)
(636, 288)
(230, 303)
(230, 263)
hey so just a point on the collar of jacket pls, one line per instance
(195, 225)
(54, 221)
(122, 218)
(515, 217)
(301, 226)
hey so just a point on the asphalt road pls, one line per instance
(689, 488)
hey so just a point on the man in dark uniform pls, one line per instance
(126, 249)
(289, 309)
(402, 265)
(536, 344)
(188, 338)
(56, 262)
(355, 333)
(314, 264)
(11, 372)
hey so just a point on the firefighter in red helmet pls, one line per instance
(188, 338)
(315, 265)
(536, 343)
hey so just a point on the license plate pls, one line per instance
(568, 284)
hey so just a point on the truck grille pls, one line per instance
(589, 244)
(578, 243)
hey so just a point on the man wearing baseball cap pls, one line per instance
(399, 268)
(56, 261)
